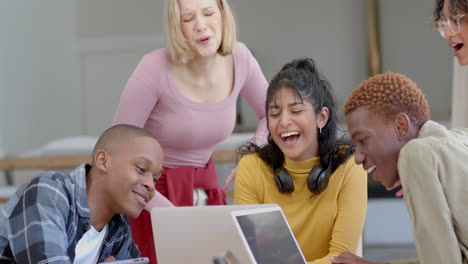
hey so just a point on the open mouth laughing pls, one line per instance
(456, 47)
(290, 136)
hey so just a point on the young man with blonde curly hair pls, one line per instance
(388, 120)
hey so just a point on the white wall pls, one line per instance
(64, 64)
(113, 36)
(332, 32)
(38, 73)
(459, 95)
(410, 46)
(104, 18)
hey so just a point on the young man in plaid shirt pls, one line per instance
(81, 216)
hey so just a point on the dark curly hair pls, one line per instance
(390, 94)
(456, 7)
(301, 76)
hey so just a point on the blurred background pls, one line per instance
(64, 64)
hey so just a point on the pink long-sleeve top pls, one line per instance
(188, 130)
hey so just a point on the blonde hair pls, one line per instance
(389, 94)
(177, 44)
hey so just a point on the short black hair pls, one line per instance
(118, 133)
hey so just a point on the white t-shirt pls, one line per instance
(89, 246)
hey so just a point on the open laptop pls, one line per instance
(198, 234)
(267, 236)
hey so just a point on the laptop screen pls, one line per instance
(268, 236)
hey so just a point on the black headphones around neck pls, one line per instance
(317, 180)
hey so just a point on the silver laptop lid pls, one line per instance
(267, 235)
(198, 234)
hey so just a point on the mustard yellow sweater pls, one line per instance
(326, 224)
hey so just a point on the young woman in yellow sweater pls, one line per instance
(303, 169)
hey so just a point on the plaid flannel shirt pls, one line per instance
(45, 219)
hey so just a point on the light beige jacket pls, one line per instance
(433, 170)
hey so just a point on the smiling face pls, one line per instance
(201, 22)
(132, 169)
(459, 42)
(377, 144)
(293, 124)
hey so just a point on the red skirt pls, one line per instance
(177, 185)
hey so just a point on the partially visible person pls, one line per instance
(303, 168)
(388, 120)
(186, 96)
(451, 19)
(81, 216)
